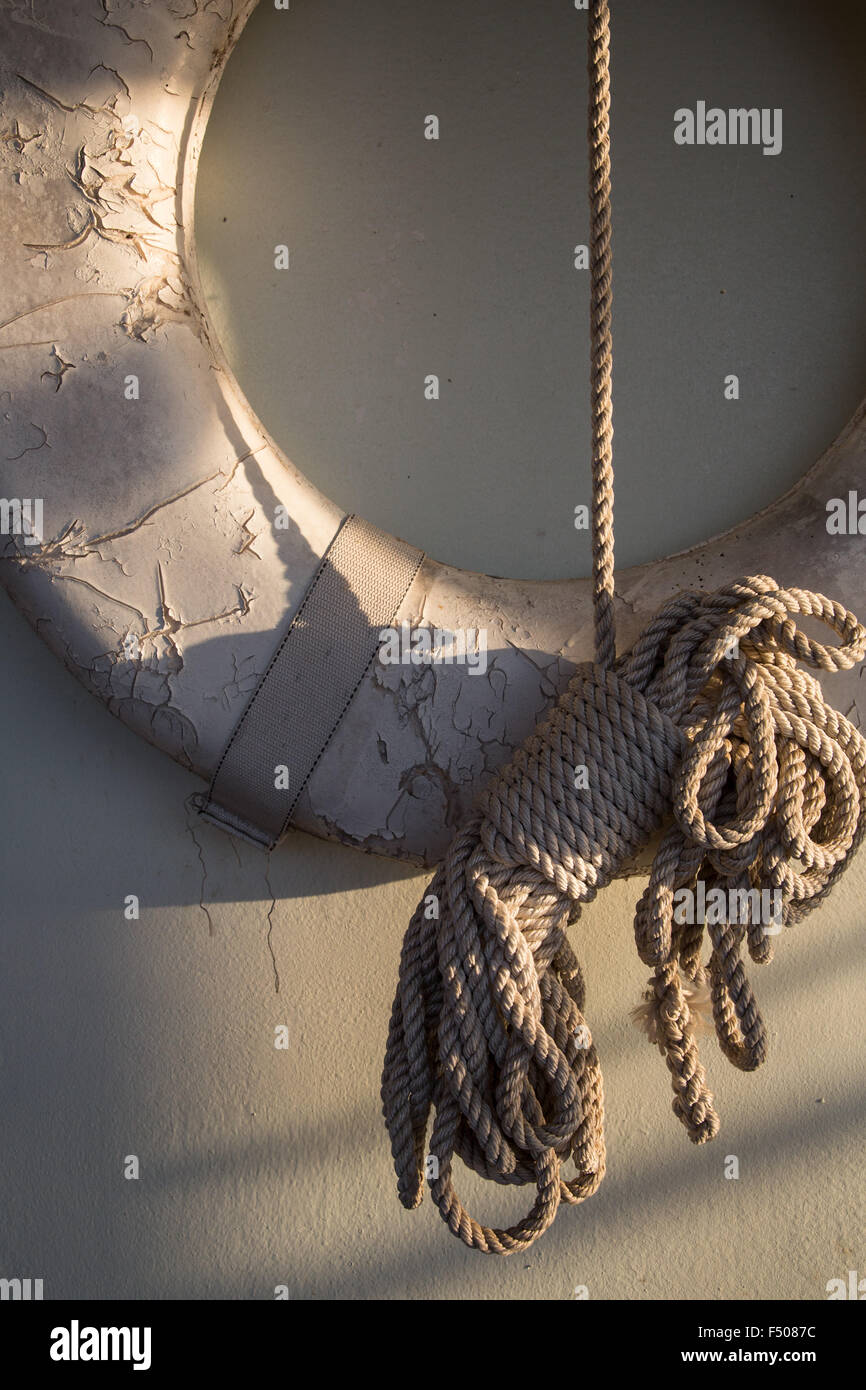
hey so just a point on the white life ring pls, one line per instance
(120, 413)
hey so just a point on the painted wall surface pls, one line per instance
(455, 256)
(155, 1037)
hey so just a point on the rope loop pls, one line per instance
(758, 789)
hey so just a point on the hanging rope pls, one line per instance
(601, 342)
(709, 728)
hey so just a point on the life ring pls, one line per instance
(122, 418)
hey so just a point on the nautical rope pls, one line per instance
(710, 729)
(601, 343)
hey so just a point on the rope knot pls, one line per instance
(710, 736)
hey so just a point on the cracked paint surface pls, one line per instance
(153, 534)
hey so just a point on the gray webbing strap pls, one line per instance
(363, 579)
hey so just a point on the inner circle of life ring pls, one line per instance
(143, 474)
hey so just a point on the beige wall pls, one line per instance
(156, 1038)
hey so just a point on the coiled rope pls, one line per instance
(709, 728)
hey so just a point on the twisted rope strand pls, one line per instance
(601, 341)
(709, 730)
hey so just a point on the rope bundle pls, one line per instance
(763, 784)
(709, 730)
